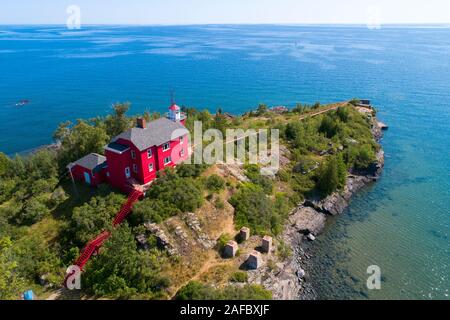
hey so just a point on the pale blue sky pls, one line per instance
(226, 11)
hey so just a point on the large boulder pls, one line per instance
(306, 220)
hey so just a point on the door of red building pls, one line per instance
(87, 178)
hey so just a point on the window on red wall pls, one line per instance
(166, 146)
(150, 167)
(167, 160)
(135, 168)
(181, 140)
(133, 154)
(149, 153)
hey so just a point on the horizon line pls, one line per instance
(236, 24)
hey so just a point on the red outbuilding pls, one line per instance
(90, 169)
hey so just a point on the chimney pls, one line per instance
(141, 123)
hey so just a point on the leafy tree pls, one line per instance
(190, 170)
(5, 165)
(40, 186)
(342, 170)
(123, 272)
(332, 176)
(153, 210)
(364, 157)
(170, 194)
(214, 183)
(220, 123)
(118, 122)
(262, 109)
(33, 211)
(329, 126)
(299, 108)
(11, 283)
(94, 216)
(316, 105)
(253, 208)
(343, 114)
(184, 193)
(79, 140)
(36, 257)
(17, 167)
(41, 165)
(305, 137)
(7, 187)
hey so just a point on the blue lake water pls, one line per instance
(400, 224)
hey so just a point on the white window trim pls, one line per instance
(182, 153)
(151, 153)
(150, 167)
(169, 162)
(181, 140)
(166, 144)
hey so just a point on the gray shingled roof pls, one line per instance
(156, 133)
(91, 161)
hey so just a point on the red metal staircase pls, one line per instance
(126, 208)
(95, 244)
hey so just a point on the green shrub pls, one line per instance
(123, 272)
(365, 156)
(195, 290)
(11, 283)
(219, 204)
(283, 250)
(94, 216)
(223, 240)
(329, 126)
(34, 210)
(332, 176)
(185, 194)
(239, 276)
(58, 196)
(153, 210)
(253, 173)
(36, 257)
(284, 175)
(191, 170)
(215, 183)
(254, 209)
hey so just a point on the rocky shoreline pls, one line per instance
(307, 221)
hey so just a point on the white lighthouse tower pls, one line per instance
(174, 113)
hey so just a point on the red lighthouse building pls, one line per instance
(135, 156)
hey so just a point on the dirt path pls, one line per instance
(328, 109)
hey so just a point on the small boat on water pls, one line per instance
(22, 103)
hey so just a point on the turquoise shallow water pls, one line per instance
(401, 223)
